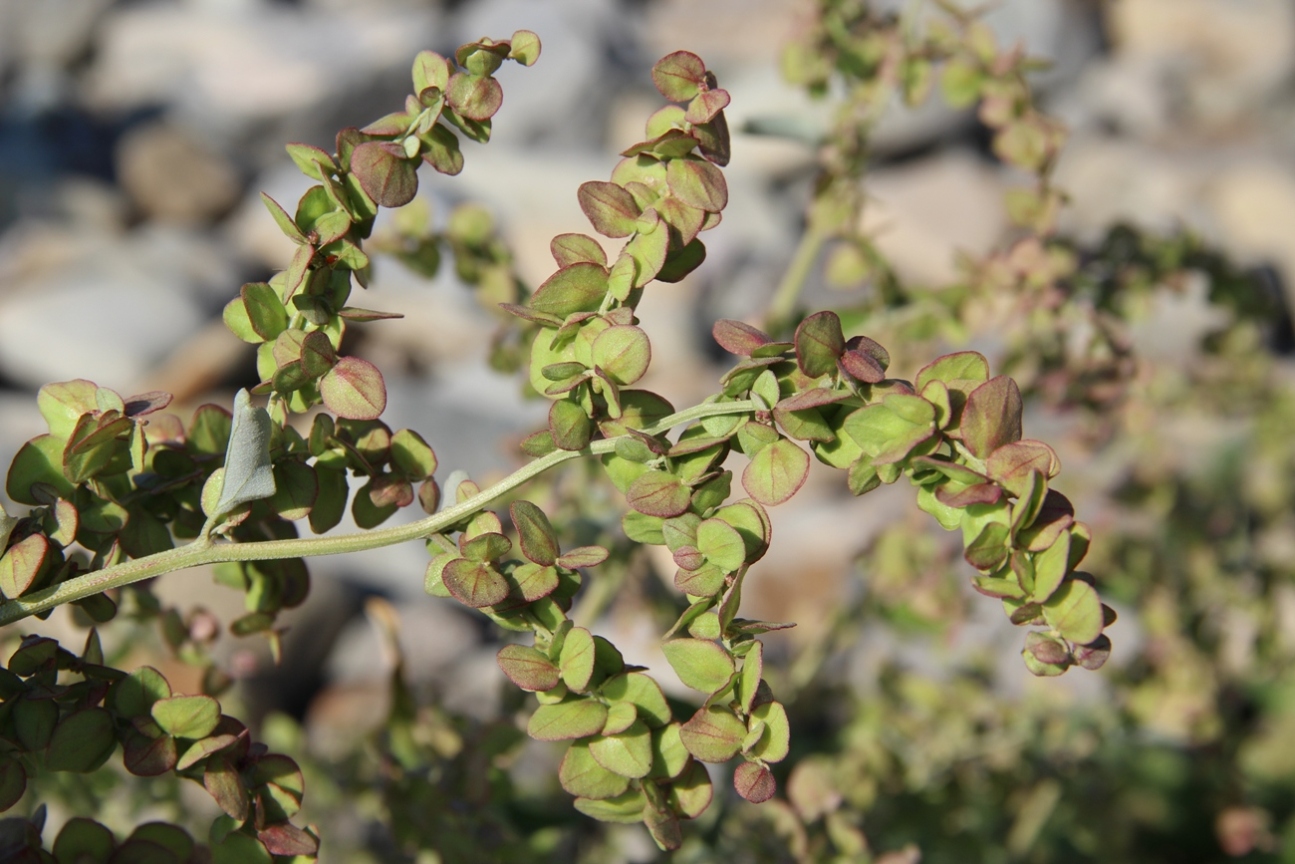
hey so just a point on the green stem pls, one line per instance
(204, 551)
(783, 305)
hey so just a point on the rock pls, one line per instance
(1219, 59)
(1253, 202)
(228, 69)
(79, 303)
(173, 177)
(923, 214)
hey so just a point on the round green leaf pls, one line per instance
(524, 47)
(642, 692)
(384, 172)
(576, 661)
(579, 287)
(721, 544)
(698, 183)
(628, 754)
(701, 665)
(775, 741)
(82, 839)
(578, 718)
(623, 352)
(657, 493)
(713, 734)
(472, 96)
(992, 416)
(776, 472)
(679, 75)
(582, 776)
(187, 716)
(1075, 611)
(21, 564)
(819, 342)
(609, 208)
(474, 583)
(354, 389)
(82, 741)
(528, 668)
(40, 460)
(626, 807)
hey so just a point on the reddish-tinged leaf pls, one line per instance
(992, 416)
(738, 338)
(776, 472)
(528, 668)
(535, 532)
(698, 183)
(474, 97)
(1012, 463)
(354, 389)
(388, 126)
(21, 565)
(815, 398)
(1075, 611)
(705, 105)
(430, 70)
(577, 288)
(354, 313)
(287, 839)
(225, 785)
(679, 75)
(754, 782)
(961, 366)
(524, 47)
(623, 353)
(862, 367)
(570, 427)
(582, 556)
(146, 403)
(474, 583)
(610, 209)
(819, 342)
(981, 493)
(567, 721)
(1093, 655)
(571, 249)
(385, 174)
(441, 150)
(713, 734)
(658, 493)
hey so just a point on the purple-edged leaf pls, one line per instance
(889, 431)
(528, 668)
(698, 183)
(819, 342)
(700, 664)
(531, 581)
(1094, 655)
(389, 125)
(715, 143)
(684, 219)
(577, 288)
(569, 425)
(776, 472)
(524, 47)
(544, 319)
(576, 660)
(581, 775)
(1075, 611)
(1055, 516)
(430, 70)
(989, 549)
(737, 337)
(81, 742)
(861, 366)
(21, 564)
(354, 389)
(312, 161)
(658, 493)
(149, 757)
(225, 785)
(477, 98)
(441, 150)
(285, 222)
(610, 209)
(962, 366)
(1012, 463)
(535, 533)
(980, 493)
(679, 76)
(566, 721)
(713, 734)
(582, 556)
(187, 716)
(623, 353)
(146, 403)
(473, 583)
(815, 398)
(754, 782)
(571, 249)
(385, 174)
(1047, 649)
(283, 838)
(705, 105)
(680, 262)
(952, 470)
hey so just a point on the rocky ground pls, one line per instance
(135, 136)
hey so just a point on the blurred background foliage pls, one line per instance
(1098, 196)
